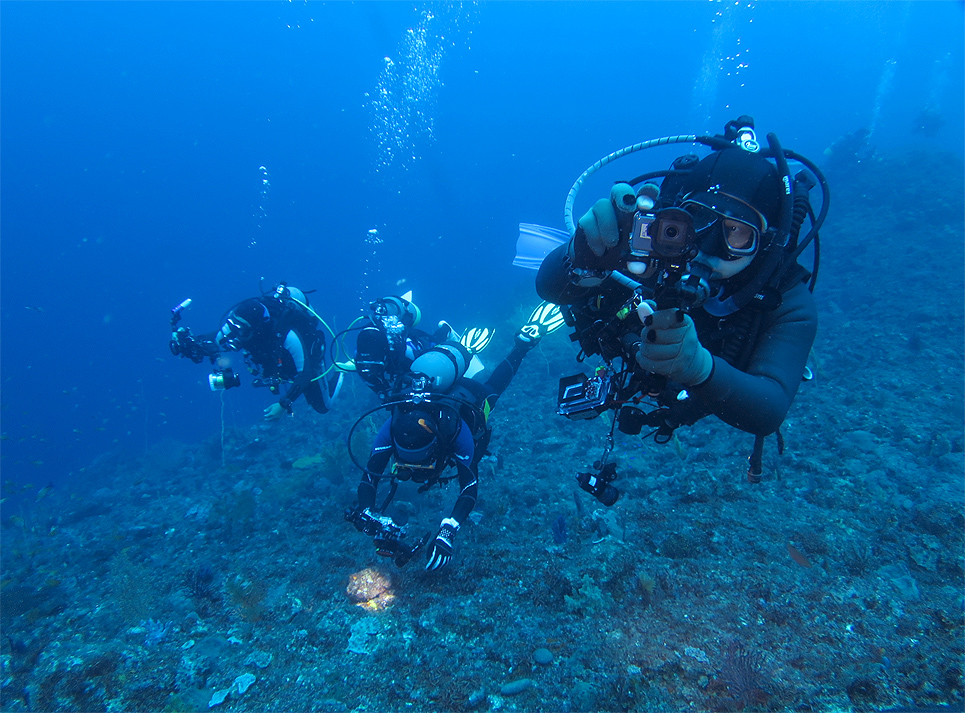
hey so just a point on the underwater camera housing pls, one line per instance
(222, 379)
(666, 240)
(390, 544)
(583, 397)
(386, 535)
(667, 234)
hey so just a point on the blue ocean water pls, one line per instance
(134, 137)
(152, 152)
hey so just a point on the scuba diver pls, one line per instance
(440, 420)
(850, 151)
(280, 337)
(690, 292)
(387, 345)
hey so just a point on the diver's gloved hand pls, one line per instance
(275, 412)
(601, 228)
(441, 551)
(670, 347)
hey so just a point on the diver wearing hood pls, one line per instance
(281, 339)
(693, 287)
(438, 430)
(389, 342)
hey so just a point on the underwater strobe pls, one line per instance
(598, 484)
(222, 379)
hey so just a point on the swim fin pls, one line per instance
(545, 319)
(477, 338)
(535, 242)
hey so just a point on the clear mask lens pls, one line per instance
(723, 235)
(704, 217)
(741, 239)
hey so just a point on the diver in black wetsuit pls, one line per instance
(691, 293)
(388, 344)
(442, 421)
(281, 339)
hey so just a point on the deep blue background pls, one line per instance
(133, 136)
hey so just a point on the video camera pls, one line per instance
(182, 342)
(660, 246)
(665, 242)
(386, 535)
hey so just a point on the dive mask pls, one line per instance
(233, 333)
(726, 226)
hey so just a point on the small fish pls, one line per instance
(798, 556)
(35, 309)
(44, 491)
(16, 521)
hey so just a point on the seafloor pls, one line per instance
(187, 575)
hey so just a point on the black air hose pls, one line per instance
(802, 206)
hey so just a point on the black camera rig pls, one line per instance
(197, 349)
(386, 535)
(186, 345)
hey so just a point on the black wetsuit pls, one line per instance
(292, 350)
(463, 437)
(759, 354)
(380, 357)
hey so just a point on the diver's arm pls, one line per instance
(468, 488)
(378, 460)
(757, 400)
(295, 346)
(464, 458)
